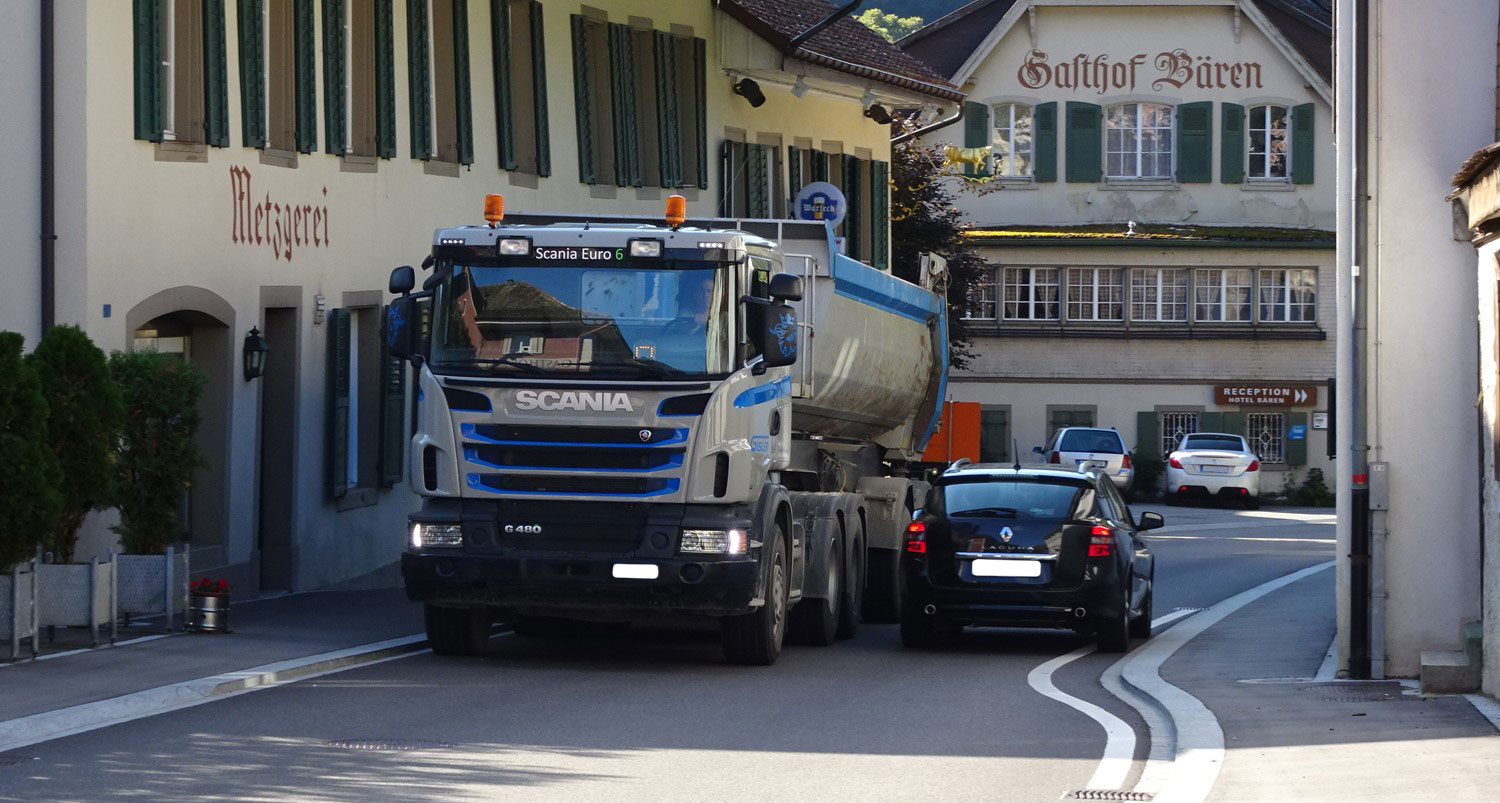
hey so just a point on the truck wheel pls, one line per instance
(883, 586)
(815, 622)
(457, 631)
(854, 583)
(754, 639)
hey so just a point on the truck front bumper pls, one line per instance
(583, 586)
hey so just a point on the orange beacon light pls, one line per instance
(676, 210)
(494, 209)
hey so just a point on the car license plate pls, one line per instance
(1216, 469)
(1001, 567)
(1092, 464)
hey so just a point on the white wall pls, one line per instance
(20, 209)
(1433, 104)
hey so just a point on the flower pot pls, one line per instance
(208, 612)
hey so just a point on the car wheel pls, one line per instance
(1140, 627)
(1252, 501)
(1114, 630)
(755, 638)
(815, 622)
(456, 631)
(919, 631)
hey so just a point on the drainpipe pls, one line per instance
(946, 121)
(49, 180)
(827, 21)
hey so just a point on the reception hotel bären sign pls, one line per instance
(1267, 395)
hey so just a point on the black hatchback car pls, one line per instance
(1039, 546)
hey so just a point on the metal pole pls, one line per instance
(15, 612)
(166, 595)
(1345, 107)
(114, 598)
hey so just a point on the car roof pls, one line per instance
(1011, 471)
(1213, 435)
(1089, 429)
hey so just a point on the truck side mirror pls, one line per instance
(401, 327)
(403, 279)
(786, 287)
(778, 340)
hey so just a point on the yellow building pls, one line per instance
(229, 164)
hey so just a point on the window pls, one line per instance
(359, 100)
(994, 434)
(367, 403)
(437, 42)
(1011, 148)
(1138, 141)
(1060, 416)
(1094, 294)
(1158, 294)
(181, 91)
(1031, 294)
(1222, 294)
(1266, 432)
(520, 86)
(1173, 427)
(1270, 143)
(982, 299)
(748, 172)
(1288, 295)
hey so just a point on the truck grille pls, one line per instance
(574, 486)
(613, 437)
(535, 460)
(566, 458)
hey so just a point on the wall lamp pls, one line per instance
(749, 90)
(879, 114)
(800, 87)
(255, 354)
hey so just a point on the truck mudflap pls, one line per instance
(585, 586)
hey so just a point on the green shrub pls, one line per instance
(1148, 471)
(29, 475)
(84, 415)
(157, 455)
(1313, 492)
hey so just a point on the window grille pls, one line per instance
(1288, 295)
(1173, 427)
(1158, 294)
(982, 300)
(1138, 141)
(1012, 140)
(1094, 294)
(1266, 433)
(1031, 294)
(1270, 140)
(1222, 294)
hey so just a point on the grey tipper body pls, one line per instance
(597, 491)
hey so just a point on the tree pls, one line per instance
(157, 453)
(29, 475)
(924, 220)
(889, 26)
(84, 415)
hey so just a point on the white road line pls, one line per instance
(1242, 525)
(1154, 536)
(1119, 738)
(1199, 741)
(1328, 669)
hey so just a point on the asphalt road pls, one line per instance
(654, 713)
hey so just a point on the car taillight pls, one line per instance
(1254, 466)
(1101, 542)
(1174, 463)
(1126, 462)
(1055, 458)
(916, 538)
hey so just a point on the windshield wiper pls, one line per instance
(653, 367)
(513, 358)
(992, 512)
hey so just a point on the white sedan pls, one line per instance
(1214, 464)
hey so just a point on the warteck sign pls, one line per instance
(1103, 73)
(1267, 395)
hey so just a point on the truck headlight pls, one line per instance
(427, 535)
(649, 249)
(714, 542)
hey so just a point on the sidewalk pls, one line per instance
(265, 631)
(1290, 739)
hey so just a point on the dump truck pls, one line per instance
(622, 419)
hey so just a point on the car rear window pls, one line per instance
(1205, 442)
(1083, 440)
(1031, 498)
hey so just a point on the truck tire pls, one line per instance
(854, 582)
(815, 622)
(457, 631)
(755, 638)
(883, 586)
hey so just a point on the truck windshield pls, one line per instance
(615, 321)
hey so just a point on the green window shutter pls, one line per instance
(757, 182)
(1211, 422)
(252, 35)
(622, 104)
(418, 81)
(700, 79)
(307, 78)
(1231, 143)
(337, 469)
(729, 188)
(463, 103)
(539, 92)
(148, 89)
(1044, 159)
(668, 124)
(1195, 142)
(588, 171)
(977, 133)
(1147, 435)
(1296, 450)
(1303, 137)
(1234, 423)
(1085, 142)
(392, 456)
(793, 173)
(880, 198)
(852, 203)
(505, 132)
(334, 67)
(385, 80)
(215, 75)
(819, 166)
